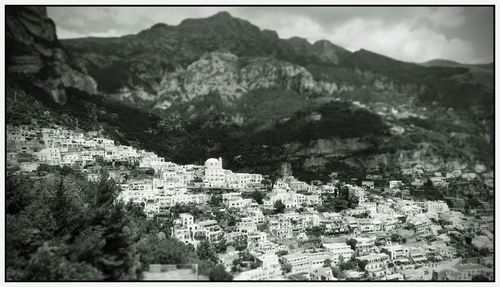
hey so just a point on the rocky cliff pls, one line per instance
(33, 50)
(228, 76)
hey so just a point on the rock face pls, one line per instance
(225, 74)
(33, 50)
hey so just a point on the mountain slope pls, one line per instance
(220, 86)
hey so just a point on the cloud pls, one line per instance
(69, 34)
(401, 41)
(296, 27)
(449, 17)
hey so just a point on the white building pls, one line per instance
(337, 250)
(437, 206)
(270, 270)
(396, 251)
(214, 174)
(395, 184)
(50, 156)
(377, 263)
(246, 225)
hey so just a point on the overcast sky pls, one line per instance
(411, 34)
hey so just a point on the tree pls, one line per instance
(341, 259)
(349, 265)
(72, 230)
(473, 202)
(327, 263)
(316, 231)
(241, 243)
(221, 246)
(155, 249)
(255, 264)
(263, 227)
(266, 181)
(258, 196)
(287, 268)
(352, 242)
(337, 273)
(484, 251)
(219, 274)
(61, 206)
(216, 200)
(18, 194)
(279, 207)
(450, 203)
(395, 237)
(149, 171)
(207, 251)
(430, 191)
(362, 264)
(332, 203)
(281, 253)
(116, 258)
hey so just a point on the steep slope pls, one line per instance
(32, 50)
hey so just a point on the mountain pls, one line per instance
(441, 63)
(32, 50)
(450, 63)
(482, 73)
(220, 86)
(144, 58)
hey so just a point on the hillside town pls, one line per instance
(370, 228)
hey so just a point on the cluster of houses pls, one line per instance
(29, 146)
(396, 238)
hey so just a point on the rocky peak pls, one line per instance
(222, 15)
(222, 20)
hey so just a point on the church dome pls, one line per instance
(211, 161)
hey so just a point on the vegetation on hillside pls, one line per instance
(63, 227)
